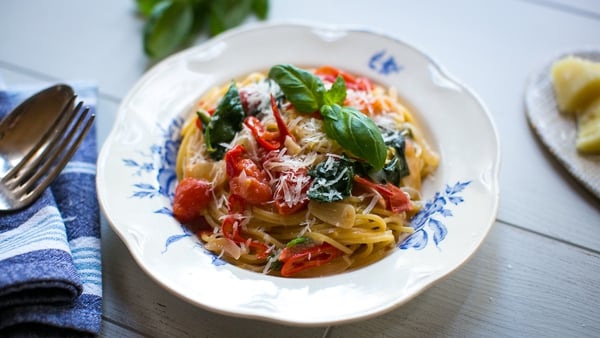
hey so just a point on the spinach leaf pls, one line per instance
(225, 123)
(332, 180)
(168, 27)
(395, 167)
(398, 165)
(204, 118)
(303, 89)
(355, 132)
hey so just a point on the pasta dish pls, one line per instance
(301, 172)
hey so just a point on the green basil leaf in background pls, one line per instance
(145, 6)
(260, 8)
(303, 89)
(337, 93)
(226, 14)
(201, 15)
(355, 132)
(225, 123)
(168, 27)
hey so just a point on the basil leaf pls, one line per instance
(337, 93)
(168, 27)
(260, 8)
(355, 132)
(332, 180)
(145, 6)
(226, 14)
(201, 15)
(225, 123)
(303, 89)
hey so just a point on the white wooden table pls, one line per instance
(538, 272)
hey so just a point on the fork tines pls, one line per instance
(27, 180)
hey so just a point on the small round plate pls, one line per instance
(558, 131)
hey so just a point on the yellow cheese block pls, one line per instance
(576, 83)
(588, 129)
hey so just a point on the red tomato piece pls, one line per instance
(250, 189)
(192, 197)
(302, 257)
(396, 200)
(330, 74)
(267, 139)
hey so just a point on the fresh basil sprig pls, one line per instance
(353, 130)
(173, 23)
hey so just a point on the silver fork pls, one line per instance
(27, 180)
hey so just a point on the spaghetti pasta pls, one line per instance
(278, 194)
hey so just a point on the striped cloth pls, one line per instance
(50, 263)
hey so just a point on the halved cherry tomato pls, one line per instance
(301, 257)
(192, 196)
(251, 189)
(246, 179)
(396, 200)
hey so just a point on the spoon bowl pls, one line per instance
(27, 125)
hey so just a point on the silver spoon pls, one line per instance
(36, 141)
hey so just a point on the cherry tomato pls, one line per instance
(192, 197)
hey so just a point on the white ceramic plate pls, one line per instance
(136, 176)
(558, 131)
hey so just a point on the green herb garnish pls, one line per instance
(225, 123)
(395, 167)
(173, 23)
(353, 130)
(333, 180)
(298, 241)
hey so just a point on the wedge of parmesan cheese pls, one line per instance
(576, 83)
(588, 129)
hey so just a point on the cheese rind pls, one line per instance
(576, 83)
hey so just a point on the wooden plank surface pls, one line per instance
(519, 284)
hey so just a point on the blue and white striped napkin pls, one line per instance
(50, 263)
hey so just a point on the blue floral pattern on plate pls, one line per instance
(424, 222)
